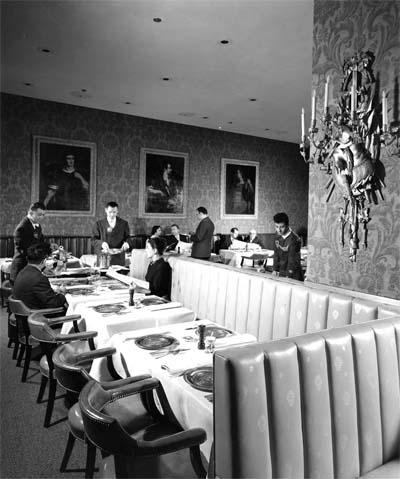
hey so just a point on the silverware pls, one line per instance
(131, 338)
(161, 354)
(209, 397)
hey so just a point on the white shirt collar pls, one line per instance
(35, 225)
(287, 234)
(112, 222)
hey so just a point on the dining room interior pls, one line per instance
(200, 239)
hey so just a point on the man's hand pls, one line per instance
(125, 246)
(104, 247)
(275, 273)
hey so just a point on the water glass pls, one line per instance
(210, 344)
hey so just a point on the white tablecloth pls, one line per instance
(130, 318)
(234, 257)
(190, 406)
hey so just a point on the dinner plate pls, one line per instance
(216, 331)
(109, 308)
(152, 301)
(200, 378)
(156, 341)
(80, 291)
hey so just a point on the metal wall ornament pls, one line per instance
(348, 145)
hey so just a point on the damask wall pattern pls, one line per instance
(283, 176)
(340, 28)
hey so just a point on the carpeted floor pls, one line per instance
(28, 450)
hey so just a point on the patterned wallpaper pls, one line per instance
(283, 175)
(340, 28)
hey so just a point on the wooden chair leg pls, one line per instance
(90, 460)
(21, 354)
(67, 453)
(195, 459)
(15, 352)
(26, 363)
(42, 389)
(50, 401)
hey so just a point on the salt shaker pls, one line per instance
(202, 332)
(131, 292)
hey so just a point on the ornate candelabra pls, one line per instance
(348, 143)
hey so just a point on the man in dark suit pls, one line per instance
(231, 238)
(31, 286)
(26, 233)
(111, 232)
(254, 239)
(202, 238)
(174, 238)
(287, 261)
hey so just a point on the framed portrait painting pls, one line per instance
(64, 176)
(239, 189)
(163, 183)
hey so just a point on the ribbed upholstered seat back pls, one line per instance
(263, 306)
(320, 405)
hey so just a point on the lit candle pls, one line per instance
(384, 111)
(313, 107)
(303, 128)
(326, 93)
(354, 94)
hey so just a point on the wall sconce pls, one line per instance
(347, 146)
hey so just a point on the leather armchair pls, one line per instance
(41, 330)
(121, 426)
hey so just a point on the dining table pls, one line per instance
(236, 257)
(170, 353)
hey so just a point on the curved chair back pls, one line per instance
(67, 367)
(103, 431)
(40, 330)
(21, 312)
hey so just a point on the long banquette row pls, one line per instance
(322, 405)
(269, 307)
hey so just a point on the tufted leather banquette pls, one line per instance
(321, 405)
(269, 307)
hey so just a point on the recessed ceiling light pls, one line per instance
(205, 117)
(128, 103)
(252, 99)
(45, 50)
(266, 129)
(220, 128)
(157, 19)
(165, 79)
(27, 84)
(84, 90)
(230, 122)
(225, 42)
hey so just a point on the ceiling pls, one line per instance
(113, 56)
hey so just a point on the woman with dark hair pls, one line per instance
(156, 231)
(159, 271)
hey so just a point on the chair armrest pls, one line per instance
(97, 353)
(108, 385)
(75, 336)
(135, 387)
(189, 438)
(63, 319)
(48, 310)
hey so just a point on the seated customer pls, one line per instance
(231, 238)
(287, 250)
(159, 271)
(254, 239)
(156, 231)
(174, 238)
(31, 286)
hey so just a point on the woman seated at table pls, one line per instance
(156, 231)
(159, 271)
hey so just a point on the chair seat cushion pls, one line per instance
(130, 413)
(390, 470)
(75, 422)
(32, 342)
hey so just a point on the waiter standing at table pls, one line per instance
(111, 232)
(202, 238)
(287, 261)
(28, 232)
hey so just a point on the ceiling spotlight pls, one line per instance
(27, 84)
(45, 50)
(252, 99)
(224, 42)
(266, 129)
(230, 122)
(220, 128)
(83, 90)
(157, 19)
(127, 103)
(205, 117)
(165, 79)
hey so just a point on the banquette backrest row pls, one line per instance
(320, 405)
(268, 307)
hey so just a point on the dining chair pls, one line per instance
(71, 370)
(117, 423)
(48, 338)
(6, 292)
(25, 342)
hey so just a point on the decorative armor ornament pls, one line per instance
(348, 146)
